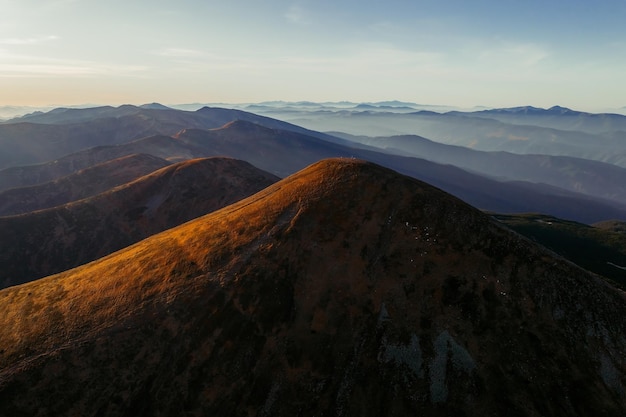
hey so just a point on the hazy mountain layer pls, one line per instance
(345, 289)
(283, 149)
(585, 176)
(44, 242)
(283, 153)
(557, 118)
(82, 184)
(466, 129)
(49, 136)
(159, 146)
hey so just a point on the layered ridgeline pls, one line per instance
(593, 178)
(43, 137)
(344, 289)
(548, 132)
(78, 185)
(284, 152)
(65, 140)
(44, 242)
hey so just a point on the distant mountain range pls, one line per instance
(11, 112)
(478, 131)
(574, 174)
(344, 289)
(587, 191)
(556, 117)
(48, 136)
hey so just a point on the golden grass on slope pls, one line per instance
(46, 314)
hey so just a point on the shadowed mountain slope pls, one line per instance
(345, 289)
(159, 146)
(279, 151)
(48, 136)
(44, 242)
(283, 153)
(29, 143)
(82, 184)
(600, 249)
(594, 178)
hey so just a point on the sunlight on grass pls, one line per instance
(48, 313)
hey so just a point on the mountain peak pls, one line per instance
(154, 106)
(345, 289)
(242, 124)
(560, 110)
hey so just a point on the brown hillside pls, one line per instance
(44, 242)
(82, 184)
(343, 290)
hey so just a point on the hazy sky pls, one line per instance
(457, 52)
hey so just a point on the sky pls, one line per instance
(457, 52)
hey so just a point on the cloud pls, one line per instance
(369, 59)
(16, 62)
(28, 41)
(24, 66)
(69, 69)
(179, 53)
(297, 14)
(38, 69)
(521, 54)
(363, 58)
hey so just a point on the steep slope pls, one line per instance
(82, 184)
(44, 242)
(345, 289)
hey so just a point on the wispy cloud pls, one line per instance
(524, 55)
(374, 59)
(296, 13)
(40, 69)
(378, 59)
(179, 53)
(28, 41)
(55, 4)
(23, 66)
(70, 69)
